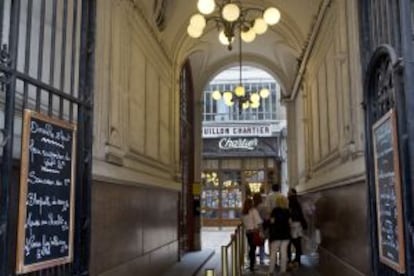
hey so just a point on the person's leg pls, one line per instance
(262, 253)
(273, 248)
(289, 251)
(252, 250)
(298, 247)
(283, 255)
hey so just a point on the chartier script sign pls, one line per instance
(46, 204)
(238, 143)
(234, 146)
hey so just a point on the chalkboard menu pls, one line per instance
(388, 193)
(46, 207)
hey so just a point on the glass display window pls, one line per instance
(222, 195)
(210, 180)
(255, 181)
(210, 199)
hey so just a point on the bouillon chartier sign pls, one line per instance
(46, 204)
(240, 130)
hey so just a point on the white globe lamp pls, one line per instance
(230, 12)
(216, 95)
(271, 16)
(198, 21)
(240, 91)
(248, 36)
(206, 6)
(260, 26)
(264, 93)
(194, 32)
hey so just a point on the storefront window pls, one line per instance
(210, 196)
(255, 180)
(222, 195)
(231, 190)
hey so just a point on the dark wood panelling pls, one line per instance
(132, 228)
(341, 216)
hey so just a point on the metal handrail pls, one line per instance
(237, 246)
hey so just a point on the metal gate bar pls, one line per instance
(6, 168)
(64, 51)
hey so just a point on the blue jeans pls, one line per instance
(261, 253)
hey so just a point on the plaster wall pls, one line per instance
(326, 139)
(136, 160)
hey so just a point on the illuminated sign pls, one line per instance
(240, 143)
(256, 130)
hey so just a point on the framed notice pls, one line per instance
(388, 192)
(46, 202)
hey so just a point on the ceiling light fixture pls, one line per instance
(230, 16)
(245, 99)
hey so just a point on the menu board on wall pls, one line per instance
(388, 193)
(46, 203)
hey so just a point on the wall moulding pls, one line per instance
(351, 180)
(105, 172)
(137, 157)
(334, 157)
(114, 155)
(155, 47)
(343, 174)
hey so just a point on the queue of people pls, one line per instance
(280, 220)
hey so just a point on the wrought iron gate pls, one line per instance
(46, 64)
(387, 39)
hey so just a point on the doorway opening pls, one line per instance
(244, 149)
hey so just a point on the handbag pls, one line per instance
(257, 238)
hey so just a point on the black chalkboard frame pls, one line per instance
(20, 266)
(390, 118)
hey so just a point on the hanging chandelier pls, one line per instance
(245, 99)
(230, 16)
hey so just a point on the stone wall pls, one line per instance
(136, 146)
(326, 140)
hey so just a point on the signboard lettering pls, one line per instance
(388, 190)
(233, 147)
(46, 211)
(240, 143)
(237, 131)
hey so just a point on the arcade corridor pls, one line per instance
(115, 133)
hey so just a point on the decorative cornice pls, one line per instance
(307, 50)
(151, 30)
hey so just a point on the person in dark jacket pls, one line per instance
(297, 226)
(279, 232)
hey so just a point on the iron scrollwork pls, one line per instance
(384, 98)
(5, 62)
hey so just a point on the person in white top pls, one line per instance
(252, 222)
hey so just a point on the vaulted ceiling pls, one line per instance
(277, 51)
